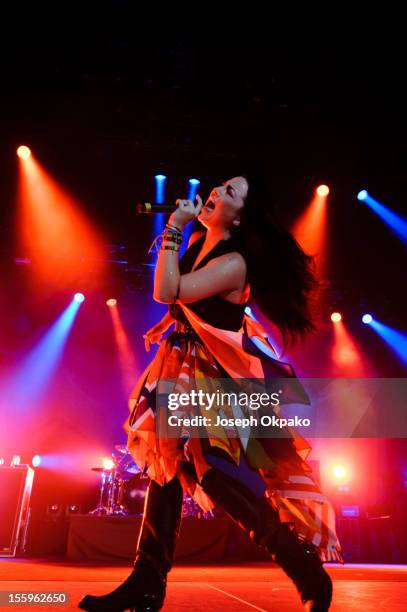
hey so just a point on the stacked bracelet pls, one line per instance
(172, 235)
(172, 228)
(169, 247)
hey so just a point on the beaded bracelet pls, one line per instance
(172, 238)
(167, 247)
(170, 234)
(172, 231)
(173, 228)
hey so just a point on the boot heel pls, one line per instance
(261, 521)
(144, 590)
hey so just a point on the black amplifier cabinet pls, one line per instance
(15, 491)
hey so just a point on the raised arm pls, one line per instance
(167, 276)
(225, 273)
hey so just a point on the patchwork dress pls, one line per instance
(215, 340)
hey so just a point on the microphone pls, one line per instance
(152, 209)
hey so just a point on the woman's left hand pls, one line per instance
(185, 212)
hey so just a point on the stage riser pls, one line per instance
(103, 538)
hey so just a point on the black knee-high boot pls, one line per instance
(144, 589)
(256, 516)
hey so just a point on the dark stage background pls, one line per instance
(105, 105)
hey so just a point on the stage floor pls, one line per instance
(232, 588)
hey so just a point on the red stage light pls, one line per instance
(339, 472)
(336, 317)
(112, 302)
(310, 230)
(54, 231)
(107, 463)
(323, 191)
(23, 152)
(126, 355)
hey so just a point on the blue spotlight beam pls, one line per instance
(160, 188)
(193, 186)
(396, 222)
(40, 364)
(159, 198)
(158, 225)
(395, 339)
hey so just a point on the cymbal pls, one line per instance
(133, 469)
(121, 448)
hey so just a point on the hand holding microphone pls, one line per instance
(186, 211)
(151, 209)
(182, 213)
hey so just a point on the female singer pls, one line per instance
(264, 484)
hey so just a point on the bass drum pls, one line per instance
(135, 490)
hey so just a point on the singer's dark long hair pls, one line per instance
(280, 273)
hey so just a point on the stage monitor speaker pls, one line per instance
(15, 486)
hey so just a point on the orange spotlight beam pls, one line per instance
(54, 233)
(347, 357)
(126, 356)
(310, 229)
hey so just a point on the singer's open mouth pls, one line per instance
(209, 205)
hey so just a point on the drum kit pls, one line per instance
(123, 489)
(114, 488)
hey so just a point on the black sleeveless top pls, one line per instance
(215, 310)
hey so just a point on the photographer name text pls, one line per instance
(266, 420)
